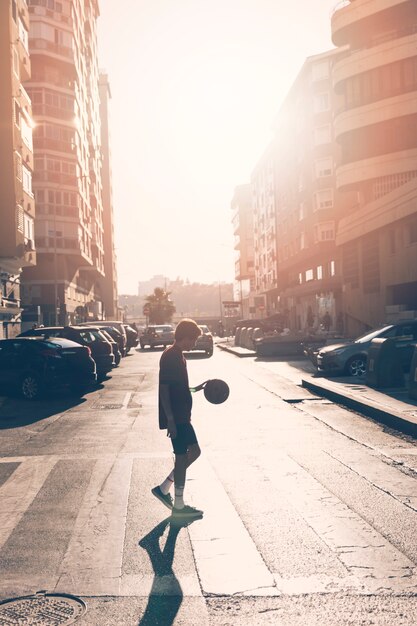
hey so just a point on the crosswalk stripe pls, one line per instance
(93, 561)
(227, 560)
(19, 491)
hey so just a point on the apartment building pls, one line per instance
(109, 281)
(263, 183)
(377, 131)
(17, 207)
(242, 220)
(64, 89)
(296, 206)
(307, 204)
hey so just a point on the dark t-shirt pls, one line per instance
(173, 372)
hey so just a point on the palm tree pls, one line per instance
(159, 308)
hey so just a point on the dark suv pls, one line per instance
(32, 365)
(101, 349)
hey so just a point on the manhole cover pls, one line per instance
(41, 609)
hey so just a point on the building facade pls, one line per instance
(64, 89)
(242, 220)
(17, 207)
(377, 130)
(308, 205)
(109, 293)
(263, 183)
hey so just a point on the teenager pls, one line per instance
(175, 404)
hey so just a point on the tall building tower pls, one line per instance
(109, 283)
(17, 208)
(377, 130)
(64, 88)
(242, 220)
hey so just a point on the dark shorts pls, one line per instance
(185, 438)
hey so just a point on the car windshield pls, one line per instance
(204, 329)
(373, 334)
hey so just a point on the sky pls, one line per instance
(196, 85)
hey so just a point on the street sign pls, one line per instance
(146, 310)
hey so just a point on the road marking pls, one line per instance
(93, 562)
(227, 560)
(19, 491)
(126, 400)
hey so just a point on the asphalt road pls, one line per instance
(310, 510)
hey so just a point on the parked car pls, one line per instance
(157, 335)
(132, 338)
(350, 358)
(33, 365)
(114, 344)
(205, 341)
(101, 349)
(113, 328)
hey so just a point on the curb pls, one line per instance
(394, 419)
(236, 351)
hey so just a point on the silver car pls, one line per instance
(349, 358)
(157, 335)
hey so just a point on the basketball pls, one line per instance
(216, 391)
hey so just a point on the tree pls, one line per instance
(160, 307)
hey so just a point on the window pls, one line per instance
(27, 180)
(18, 166)
(319, 272)
(24, 36)
(323, 199)
(28, 228)
(321, 102)
(17, 113)
(322, 135)
(324, 231)
(309, 275)
(16, 63)
(26, 132)
(412, 232)
(324, 167)
(320, 71)
(332, 268)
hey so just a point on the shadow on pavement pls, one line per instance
(166, 595)
(16, 412)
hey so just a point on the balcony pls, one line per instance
(398, 47)
(353, 175)
(376, 113)
(356, 19)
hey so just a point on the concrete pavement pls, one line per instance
(392, 407)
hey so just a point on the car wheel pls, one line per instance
(30, 387)
(356, 366)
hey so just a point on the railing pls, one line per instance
(340, 5)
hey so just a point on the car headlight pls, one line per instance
(335, 351)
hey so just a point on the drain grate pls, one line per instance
(104, 407)
(41, 609)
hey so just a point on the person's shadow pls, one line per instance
(166, 594)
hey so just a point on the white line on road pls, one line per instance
(19, 491)
(227, 560)
(126, 400)
(93, 562)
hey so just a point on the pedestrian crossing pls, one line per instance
(89, 526)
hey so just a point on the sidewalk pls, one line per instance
(392, 407)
